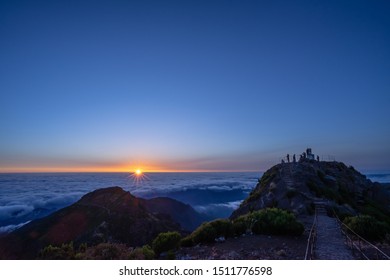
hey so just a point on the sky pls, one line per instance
(192, 85)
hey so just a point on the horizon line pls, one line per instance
(130, 172)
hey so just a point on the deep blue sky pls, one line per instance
(192, 85)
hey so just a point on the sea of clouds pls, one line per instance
(26, 197)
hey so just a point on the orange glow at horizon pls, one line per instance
(146, 168)
(102, 170)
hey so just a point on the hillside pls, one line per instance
(105, 215)
(181, 213)
(296, 186)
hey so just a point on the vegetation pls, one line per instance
(102, 251)
(144, 253)
(265, 221)
(166, 241)
(208, 232)
(368, 227)
(106, 251)
(324, 191)
(63, 252)
(274, 221)
(262, 183)
(240, 225)
(375, 210)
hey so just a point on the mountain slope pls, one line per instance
(181, 213)
(104, 215)
(296, 186)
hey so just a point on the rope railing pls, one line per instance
(361, 241)
(309, 254)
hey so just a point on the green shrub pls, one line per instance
(265, 221)
(148, 252)
(187, 241)
(208, 232)
(368, 227)
(269, 221)
(275, 221)
(64, 252)
(262, 184)
(171, 255)
(240, 225)
(223, 227)
(166, 241)
(375, 210)
(144, 253)
(107, 251)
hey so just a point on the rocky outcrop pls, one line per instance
(296, 186)
(104, 215)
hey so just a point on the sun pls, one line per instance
(138, 176)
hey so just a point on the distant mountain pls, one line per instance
(181, 213)
(295, 187)
(105, 215)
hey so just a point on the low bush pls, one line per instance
(275, 221)
(166, 241)
(367, 226)
(63, 252)
(144, 253)
(204, 234)
(240, 225)
(187, 241)
(106, 251)
(265, 221)
(223, 227)
(208, 232)
(269, 221)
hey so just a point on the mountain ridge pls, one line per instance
(104, 215)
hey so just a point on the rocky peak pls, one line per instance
(295, 186)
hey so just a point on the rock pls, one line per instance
(220, 239)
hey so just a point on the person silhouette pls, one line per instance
(288, 158)
(294, 159)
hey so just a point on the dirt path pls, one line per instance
(330, 244)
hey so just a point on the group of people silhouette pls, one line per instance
(303, 156)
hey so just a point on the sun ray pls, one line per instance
(138, 176)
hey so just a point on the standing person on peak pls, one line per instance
(288, 158)
(294, 159)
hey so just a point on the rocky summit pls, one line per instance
(105, 215)
(296, 186)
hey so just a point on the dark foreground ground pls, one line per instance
(248, 248)
(265, 247)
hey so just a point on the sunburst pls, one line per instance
(138, 176)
